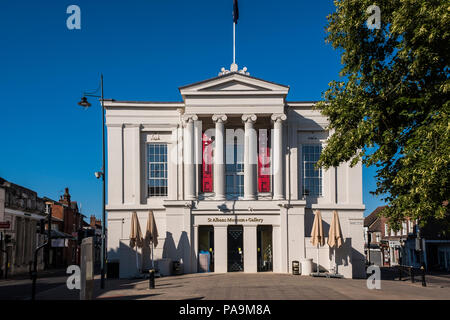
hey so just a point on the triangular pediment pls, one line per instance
(234, 83)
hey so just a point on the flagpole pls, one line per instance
(234, 42)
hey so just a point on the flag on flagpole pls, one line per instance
(235, 11)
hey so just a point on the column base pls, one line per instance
(190, 198)
(220, 198)
(278, 197)
(249, 197)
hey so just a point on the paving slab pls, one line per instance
(267, 286)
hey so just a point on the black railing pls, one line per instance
(410, 272)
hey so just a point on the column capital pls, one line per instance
(189, 117)
(278, 117)
(249, 118)
(219, 118)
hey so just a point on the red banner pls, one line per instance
(207, 175)
(263, 161)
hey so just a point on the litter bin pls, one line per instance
(204, 261)
(112, 270)
(295, 268)
(306, 267)
(176, 267)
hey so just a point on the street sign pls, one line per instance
(4, 225)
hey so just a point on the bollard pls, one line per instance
(87, 269)
(399, 274)
(151, 279)
(424, 284)
(411, 273)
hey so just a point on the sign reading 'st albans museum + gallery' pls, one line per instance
(236, 220)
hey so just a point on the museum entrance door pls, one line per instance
(205, 249)
(264, 248)
(235, 248)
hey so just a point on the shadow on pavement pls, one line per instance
(131, 297)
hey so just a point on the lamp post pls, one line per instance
(86, 104)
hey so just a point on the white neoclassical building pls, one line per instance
(229, 174)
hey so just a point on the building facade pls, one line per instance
(94, 229)
(228, 172)
(22, 210)
(389, 247)
(67, 220)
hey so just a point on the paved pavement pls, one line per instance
(19, 287)
(263, 286)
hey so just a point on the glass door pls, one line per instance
(264, 248)
(235, 248)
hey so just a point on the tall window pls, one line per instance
(411, 226)
(312, 178)
(404, 230)
(234, 170)
(157, 170)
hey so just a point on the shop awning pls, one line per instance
(61, 235)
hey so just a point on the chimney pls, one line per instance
(92, 221)
(66, 197)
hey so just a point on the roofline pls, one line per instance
(168, 104)
(301, 103)
(377, 218)
(228, 75)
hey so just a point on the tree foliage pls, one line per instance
(391, 108)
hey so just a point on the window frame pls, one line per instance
(166, 170)
(236, 175)
(303, 171)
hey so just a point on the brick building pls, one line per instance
(388, 247)
(66, 221)
(21, 209)
(94, 229)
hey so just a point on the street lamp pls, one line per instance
(84, 103)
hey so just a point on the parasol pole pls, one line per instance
(137, 260)
(317, 258)
(153, 266)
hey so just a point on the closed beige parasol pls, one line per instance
(151, 234)
(335, 236)
(317, 235)
(136, 239)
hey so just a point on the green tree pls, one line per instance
(390, 107)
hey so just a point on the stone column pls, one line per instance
(137, 165)
(220, 249)
(277, 248)
(278, 177)
(189, 168)
(194, 250)
(250, 157)
(250, 249)
(219, 156)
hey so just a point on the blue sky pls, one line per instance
(146, 49)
